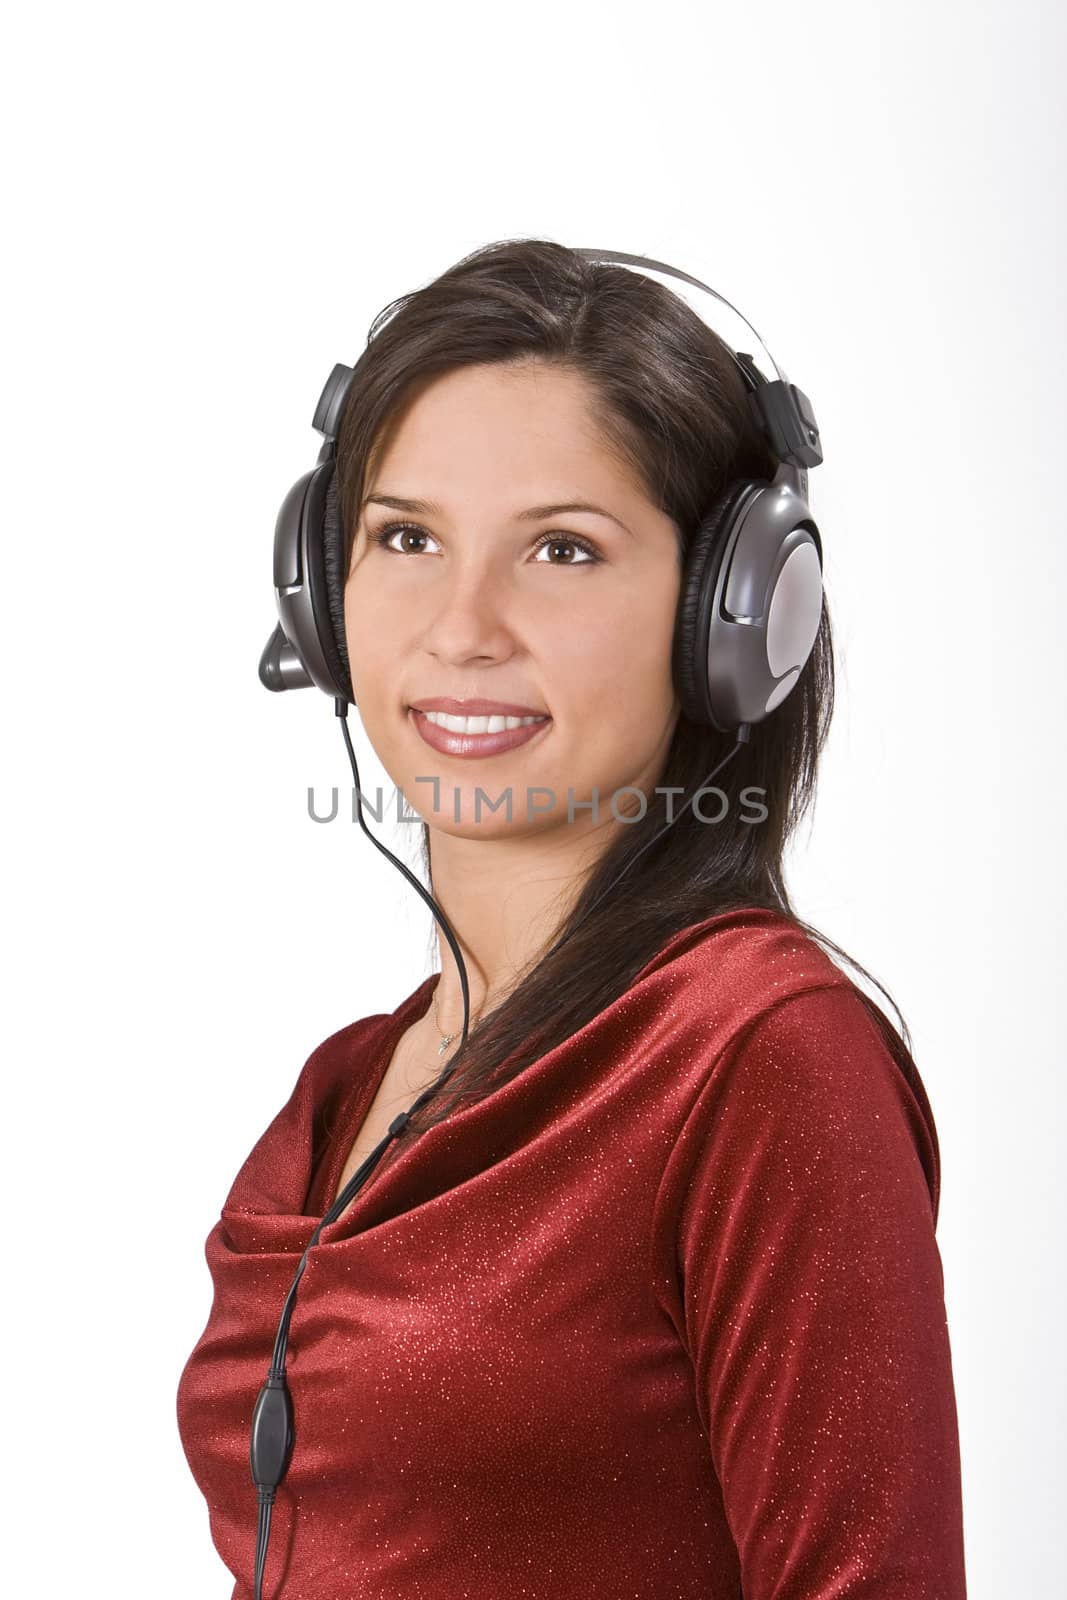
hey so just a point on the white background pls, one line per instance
(205, 208)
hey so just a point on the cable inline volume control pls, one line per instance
(273, 1433)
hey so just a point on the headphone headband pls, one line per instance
(783, 413)
(650, 268)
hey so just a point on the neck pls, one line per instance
(505, 901)
(507, 896)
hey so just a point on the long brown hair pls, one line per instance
(671, 402)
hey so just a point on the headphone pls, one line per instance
(748, 614)
(751, 594)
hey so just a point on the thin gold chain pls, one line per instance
(446, 1038)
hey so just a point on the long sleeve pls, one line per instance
(813, 1305)
(663, 1310)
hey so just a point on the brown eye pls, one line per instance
(566, 541)
(384, 536)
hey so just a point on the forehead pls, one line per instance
(509, 429)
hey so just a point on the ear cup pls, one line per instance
(333, 562)
(693, 621)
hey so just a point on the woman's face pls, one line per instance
(482, 592)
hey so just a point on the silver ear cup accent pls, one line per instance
(795, 610)
(778, 694)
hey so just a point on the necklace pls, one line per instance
(446, 1038)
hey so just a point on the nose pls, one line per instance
(467, 618)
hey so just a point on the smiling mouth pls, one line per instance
(495, 723)
(475, 736)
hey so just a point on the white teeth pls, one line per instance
(444, 719)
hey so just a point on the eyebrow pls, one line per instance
(428, 508)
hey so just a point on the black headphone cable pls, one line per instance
(273, 1434)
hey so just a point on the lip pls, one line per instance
(474, 708)
(474, 746)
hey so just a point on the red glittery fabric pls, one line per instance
(662, 1317)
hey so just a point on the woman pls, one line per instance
(645, 1298)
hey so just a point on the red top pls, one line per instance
(662, 1316)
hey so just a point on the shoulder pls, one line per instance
(331, 1065)
(797, 1080)
(808, 1137)
(754, 1011)
(828, 1065)
(812, 1096)
(731, 968)
(328, 1070)
(746, 948)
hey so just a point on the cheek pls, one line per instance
(623, 649)
(372, 643)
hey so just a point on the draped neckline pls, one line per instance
(367, 1079)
